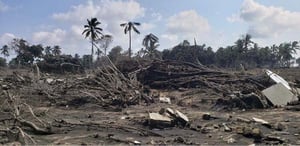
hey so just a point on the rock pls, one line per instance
(240, 119)
(182, 117)
(165, 100)
(49, 80)
(260, 120)
(179, 139)
(279, 95)
(159, 121)
(231, 140)
(263, 122)
(206, 116)
(226, 128)
(5, 87)
(279, 126)
(137, 142)
(256, 133)
(275, 138)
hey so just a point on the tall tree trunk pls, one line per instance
(91, 62)
(129, 49)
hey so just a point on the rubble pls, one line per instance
(104, 106)
(279, 95)
(168, 117)
(159, 121)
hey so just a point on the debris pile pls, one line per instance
(244, 91)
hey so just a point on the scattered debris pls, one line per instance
(168, 117)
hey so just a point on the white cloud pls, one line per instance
(3, 7)
(185, 25)
(187, 22)
(105, 10)
(6, 38)
(269, 21)
(234, 18)
(156, 16)
(55, 37)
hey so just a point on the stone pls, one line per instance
(182, 116)
(49, 80)
(226, 128)
(279, 126)
(206, 116)
(159, 121)
(279, 95)
(241, 119)
(165, 100)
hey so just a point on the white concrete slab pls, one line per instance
(279, 95)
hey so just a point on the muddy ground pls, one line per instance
(65, 113)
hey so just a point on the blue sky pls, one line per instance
(213, 22)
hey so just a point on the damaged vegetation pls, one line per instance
(162, 102)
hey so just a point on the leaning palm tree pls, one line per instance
(5, 51)
(151, 43)
(128, 27)
(93, 31)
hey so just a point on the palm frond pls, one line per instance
(123, 24)
(135, 29)
(136, 23)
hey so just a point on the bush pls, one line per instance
(2, 62)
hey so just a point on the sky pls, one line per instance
(215, 23)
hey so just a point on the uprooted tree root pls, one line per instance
(16, 125)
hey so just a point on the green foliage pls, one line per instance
(5, 51)
(151, 44)
(187, 53)
(2, 62)
(298, 61)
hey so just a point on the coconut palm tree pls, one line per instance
(56, 51)
(5, 51)
(127, 28)
(105, 41)
(151, 43)
(93, 31)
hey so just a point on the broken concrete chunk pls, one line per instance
(278, 79)
(240, 119)
(49, 80)
(165, 100)
(159, 121)
(182, 116)
(279, 95)
(170, 111)
(206, 116)
(226, 128)
(259, 120)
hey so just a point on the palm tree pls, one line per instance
(105, 41)
(56, 50)
(48, 51)
(151, 43)
(5, 51)
(92, 30)
(286, 51)
(128, 27)
(298, 61)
